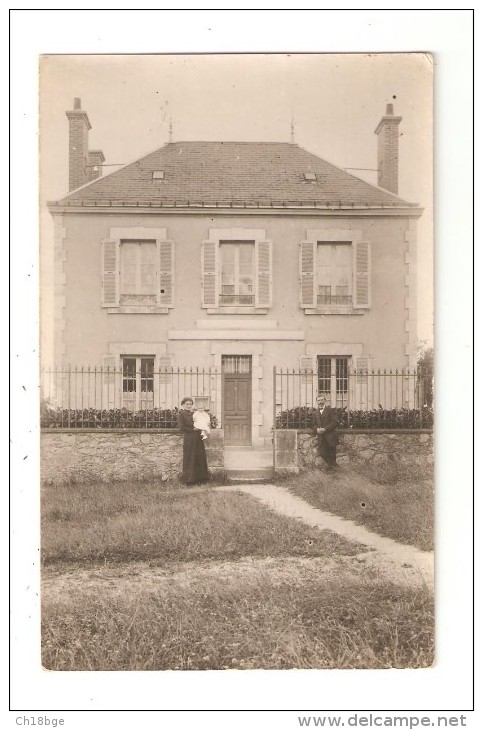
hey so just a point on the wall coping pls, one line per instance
(364, 430)
(130, 431)
(174, 431)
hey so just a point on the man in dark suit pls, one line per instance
(324, 424)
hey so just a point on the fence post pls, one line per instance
(68, 397)
(421, 399)
(274, 429)
(349, 399)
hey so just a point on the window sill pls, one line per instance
(238, 310)
(333, 310)
(137, 310)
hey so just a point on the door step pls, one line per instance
(249, 476)
(248, 459)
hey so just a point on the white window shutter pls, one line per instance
(308, 250)
(164, 362)
(110, 274)
(110, 380)
(263, 258)
(165, 292)
(209, 274)
(362, 366)
(306, 363)
(165, 367)
(109, 363)
(308, 380)
(361, 275)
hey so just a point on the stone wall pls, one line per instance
(404, 447)
(118, 455)
(286, 461)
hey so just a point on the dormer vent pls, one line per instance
(158, 175)
(310, 176)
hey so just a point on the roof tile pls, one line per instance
(259, 174)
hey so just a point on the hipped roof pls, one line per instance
(224, 174)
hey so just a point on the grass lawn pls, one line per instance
(259, 620)
(393, 501)
(92, 524)
(136, 578)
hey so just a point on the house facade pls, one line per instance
(232, 258)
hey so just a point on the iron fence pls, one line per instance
(379, 399)
(138, 396)
(133, 396)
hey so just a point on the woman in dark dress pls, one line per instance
(195, 468)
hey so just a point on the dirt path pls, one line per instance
(61, 585)
(385, 560)
(399, 563)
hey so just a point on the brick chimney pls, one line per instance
(96, 158)
(84, 165)
(388, 150)
(79, 126)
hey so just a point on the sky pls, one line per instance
(334, 100)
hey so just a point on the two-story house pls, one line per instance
(233, 257)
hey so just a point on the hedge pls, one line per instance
(378, 418)
(112, 418)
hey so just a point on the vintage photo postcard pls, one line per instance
(237, 362)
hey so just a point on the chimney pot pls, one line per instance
(77, 103)
(390, 109)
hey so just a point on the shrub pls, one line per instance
(377, 418)
(300, 417)
(112, 418)
(425, 370)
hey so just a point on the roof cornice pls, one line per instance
(302, 210)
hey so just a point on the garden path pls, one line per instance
(403, 564)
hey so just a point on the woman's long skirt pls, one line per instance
(195, 468)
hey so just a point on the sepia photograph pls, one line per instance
(240, 302)
(236, 367)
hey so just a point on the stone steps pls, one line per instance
(241, 458)
(249, 476)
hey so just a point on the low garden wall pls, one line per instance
(98, 455)
(403, 447)
(95, 455)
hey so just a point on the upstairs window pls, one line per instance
(334, 273)
(237, 273)
(138, 272)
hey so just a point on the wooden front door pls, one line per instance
(237, 399)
